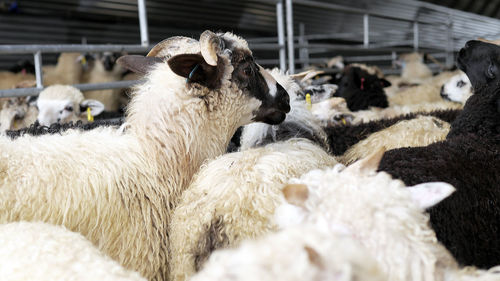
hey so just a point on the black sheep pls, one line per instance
(362, 90)
(467, 222)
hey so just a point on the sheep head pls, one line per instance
(481, 62)
(217, 60)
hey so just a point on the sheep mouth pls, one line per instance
(270, 116)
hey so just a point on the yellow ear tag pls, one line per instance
(308, 101)
(343, 121)
(89, 115)
(84, 60)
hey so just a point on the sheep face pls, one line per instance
(362, 90)
(62, 104)
(457, 89)
(214, 62)
(481, 62)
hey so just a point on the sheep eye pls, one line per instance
(68, 108)
(248, 71)
(460, 84)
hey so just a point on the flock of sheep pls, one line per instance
(223, 170)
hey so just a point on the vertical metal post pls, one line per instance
(366, 31)
(415, 36)
(143, 22)
(303, 53)
(289, 29)
(449, 43)
(38, 69)
(281, 34)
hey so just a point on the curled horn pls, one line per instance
(210, 46)
(158, 49)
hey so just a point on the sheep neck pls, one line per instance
(179, 130)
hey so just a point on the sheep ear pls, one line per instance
(138, 64)
(194, 68)
(296, 193)
(429, 194)
(369, 163)
(385, 83)
(96, 107)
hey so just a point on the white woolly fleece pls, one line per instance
(32, 251)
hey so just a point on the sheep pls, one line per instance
(381, 213)
(467, 223)
(341, 137)
(234, 197)
(396, 110)
(103, 69)
(296, 253)
(361, 89)
(63, 103)
(414, 69)
(427, 92)
(420, 131)
(41, 251)
(18, 113)
(67, 71)
(457, 89)
(117, 187)
(332, 112)
(298, 123)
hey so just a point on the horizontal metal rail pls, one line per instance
(82, 87)
(30, 49)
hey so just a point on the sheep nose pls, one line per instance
(283, 99)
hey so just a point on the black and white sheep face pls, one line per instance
(481, 62)
(256, 82)
(457, 89)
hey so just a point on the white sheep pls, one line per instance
(233, 198)
(414, 69)
(99, 72)
(63, 104)
(382, 214)
(457, 89)
(420, 131)
(9, 80)
(425, 93)
(18, 113)
(67, 71)
(118, 188)
(296, 253)
(41, 251)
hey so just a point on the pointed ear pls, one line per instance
(429, 194)
(492, 71)
(194, 68)
(138, 64)
(385, 83)
(96, 107)
(369, 163)
(296, 194)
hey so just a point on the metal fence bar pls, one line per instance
(143, 22)
(415, 36)
(289, 24)
(83, 87)
(30, 49)
(366, 31)
(38, 69)
(281, 34)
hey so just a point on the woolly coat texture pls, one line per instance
(118, 188)
(294, 254)
(233, 198)
(420, 131)
(41, 251)
(342, 137)
(467, 222)
(383, 216)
